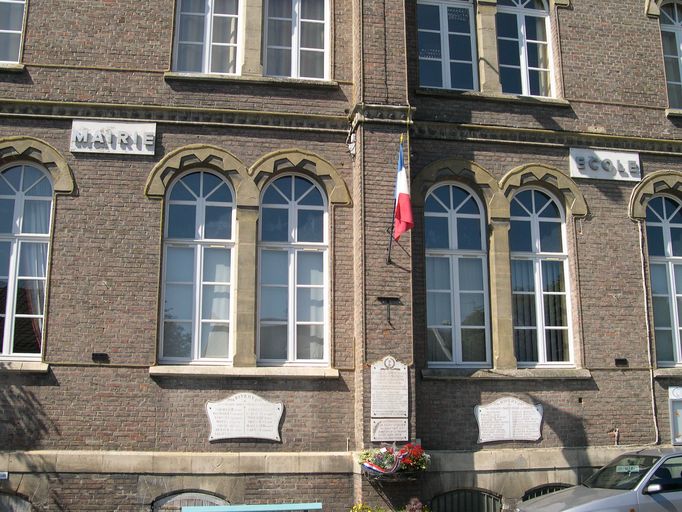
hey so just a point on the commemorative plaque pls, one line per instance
(389, 429)
(389, 389)
(244, 415)
(508, 419)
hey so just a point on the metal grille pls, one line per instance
(542, 490)
(466, 500)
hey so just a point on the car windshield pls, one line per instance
(624, 473)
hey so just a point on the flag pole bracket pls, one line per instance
(388, 302)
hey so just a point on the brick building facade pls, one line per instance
(276, 125)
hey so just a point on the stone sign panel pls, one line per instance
(508, 419)
(244, 415)
(389, 429)
(389, 389)
(117, 137)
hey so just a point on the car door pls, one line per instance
(668, 496)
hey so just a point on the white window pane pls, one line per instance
(310, 268)
(473, 345)
(195, 6)
(429, 45)
(525, 344)
(428, 17)
(654, 240)
(458, 20)
(9, 47)
(274, 304)
(437, 273)
(536, 28)
(6, 215)
(462, 76)
(278, 62)
(537, 55)
(439, 343)
(553, 276)
(214, 340)
(274, 224)
(523, 310)
(32, 259)
(471, 274)
(28, 333)
(669, 43)
(215, 303)
(218, 223)
(312, 9)
(181, 221)
(538, 82)
(312, 64)
(522, 276)
(310, 226)
(676, 241)
(661, 311)
(224, 59)
(436, 232)
(460, 47)
(310, 305)
(672, 69)
(430, 73)
(217, 265)
(555, 310)
(273, 342)
(309, 342)
(5, 248)
(279, 33)
(505, 24)
(472, 309)
(664, 345)
(550, 237)
(468, 234)
(509, 54)
(191, 28)
(3, 303)
(177, 339)
(675, 95)
(190, 58)
(520, 239)
(279, 8)
(30, 297)
(224, 29)
(180, 264)
(556, 345)
(36, 217)
(664, 288)
(11, 16)
(438, 309)
(274, 267)
(511, 80)
(41, 188)
(312, 35)
(179, 301)
(225, 6)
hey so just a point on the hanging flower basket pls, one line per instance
(392, 464)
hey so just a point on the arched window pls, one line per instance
(523, 46)
(458, 331)
(198, 245)
(175, 502)
(539, 267)
(293, 273)
(671, 33)
(25, 220)
(664, 242)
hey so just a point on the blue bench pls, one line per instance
(283, 507)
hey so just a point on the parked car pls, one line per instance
(644, 481)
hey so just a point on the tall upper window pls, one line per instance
(293, 273)
(458, 330)
(197, 291)
(297, 38)
(206, 36)
(539, 267)
(664, 241)
(447, 44)
(671, 33)
(523, 47)
(11, 28)
(25, 212)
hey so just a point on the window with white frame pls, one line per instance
(11, 29)
(197, 274)
(206, 36)
(664, 242)
(539, 268)
(297, 38)
(293, 273)
(523, 47)
(447, 44)
(671, 34)
(457, 311)
(25, 220)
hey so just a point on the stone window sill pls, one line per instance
(24, 367)
(12, 68)
(506, 98)
(513, 374)
(268, 372)
(267, 80)
(673, 112)
(667, 373)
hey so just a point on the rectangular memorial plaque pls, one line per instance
(244, 415)
(389, 389)
(508, 419)
(389, 429)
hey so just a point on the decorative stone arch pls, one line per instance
(29, 149)
(176, 500)
(306, 162)
(470, 173)
(202, 156)
(553, 179)
(655, 183)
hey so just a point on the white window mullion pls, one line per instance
(208, 36)
(445, 45)
(11, 294)
(196, 311)
(296, 38)
(523, 56)
(456, 313)
(540, 311)
(291, 335)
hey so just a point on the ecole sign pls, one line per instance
(120, 138)
(605, 165)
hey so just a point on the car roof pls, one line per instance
(658, 451)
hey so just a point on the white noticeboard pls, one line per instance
(244, 415)
(508, 419)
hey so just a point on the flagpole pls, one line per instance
(390, 231)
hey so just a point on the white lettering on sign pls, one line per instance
(508, 419)
(244, 415)
(605, 165)
(121, 138)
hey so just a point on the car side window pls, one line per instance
(670, 472)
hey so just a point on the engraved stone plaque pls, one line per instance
(244, 415)
(389, 388)
(508, 419)
(389, 429)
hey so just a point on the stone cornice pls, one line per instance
(381, 114)
(175, 115)
(541, 137)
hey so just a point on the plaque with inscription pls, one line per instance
(244, 415)
(389, 389)
(389, 429)
(508, 419)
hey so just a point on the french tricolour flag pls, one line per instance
(403, 208)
